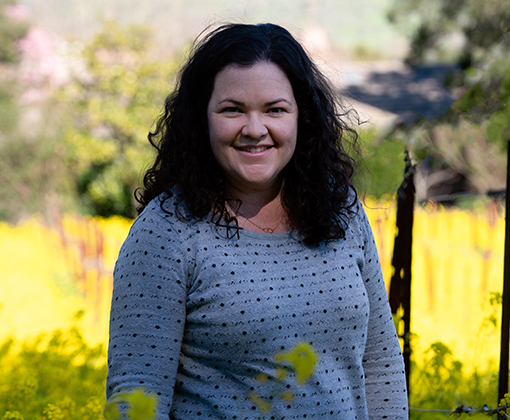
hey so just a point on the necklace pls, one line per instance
(263, 229)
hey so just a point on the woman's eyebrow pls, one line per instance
(243, 104)
(232, 101)
(277, 101)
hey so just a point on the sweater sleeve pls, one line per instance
(148, 312)
(383, 363)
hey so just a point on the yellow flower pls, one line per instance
(302, 358)
(287, 396)
(262, 378)
(262, 405)
(281, 374)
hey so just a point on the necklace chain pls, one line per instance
(263, 229)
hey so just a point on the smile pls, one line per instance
(252, 149)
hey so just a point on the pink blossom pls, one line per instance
(41, 66)
(16, 12)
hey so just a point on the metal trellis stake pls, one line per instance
(505, 317)
(400, 286)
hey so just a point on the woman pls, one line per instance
(251, 240)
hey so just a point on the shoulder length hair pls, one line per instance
(317, 192)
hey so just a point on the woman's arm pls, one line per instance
(148, 311)
(383, 364)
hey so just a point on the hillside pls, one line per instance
(362, 27)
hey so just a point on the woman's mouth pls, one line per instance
(253, 149)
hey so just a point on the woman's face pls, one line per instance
(253, 124)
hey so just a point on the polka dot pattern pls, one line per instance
(197, 317)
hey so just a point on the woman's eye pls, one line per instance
(231, 109)
(276, 110)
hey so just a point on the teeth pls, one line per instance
(254, 149)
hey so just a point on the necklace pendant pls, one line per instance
(268, 230)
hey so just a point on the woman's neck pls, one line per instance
(261, 211)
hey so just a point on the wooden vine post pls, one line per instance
(400, 286)
(505, 317)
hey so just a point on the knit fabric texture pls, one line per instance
(199, 315)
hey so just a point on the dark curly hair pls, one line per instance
(317, 192)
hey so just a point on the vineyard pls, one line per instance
(57, 280)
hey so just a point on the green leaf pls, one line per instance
(474, 96)
(111, 412)
(499, 128)
(143, 406)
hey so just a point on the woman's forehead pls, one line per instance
(260, 83)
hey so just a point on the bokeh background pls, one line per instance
(81, 83)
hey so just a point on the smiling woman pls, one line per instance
(251, 241)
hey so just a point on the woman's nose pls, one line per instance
(254, 127)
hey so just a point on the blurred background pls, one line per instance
(81, 83)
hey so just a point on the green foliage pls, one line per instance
(438, 383)
(110, 109)
(56, 377)
(467, 143)
(499, 129)
(487, 100)
(60, 377)
(382, 170)
(142, 406)
(31, 174)
(483, 88)
(31, 164)
(473, 97)
(11, 31)
(476, 127)
(8, 111)
(483, 26)
(505, 402)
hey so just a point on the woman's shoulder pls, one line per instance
(166, 205)
(158, 227)
(357, 219)
(352, 210)
(162, 212)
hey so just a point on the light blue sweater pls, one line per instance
(198, 316)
